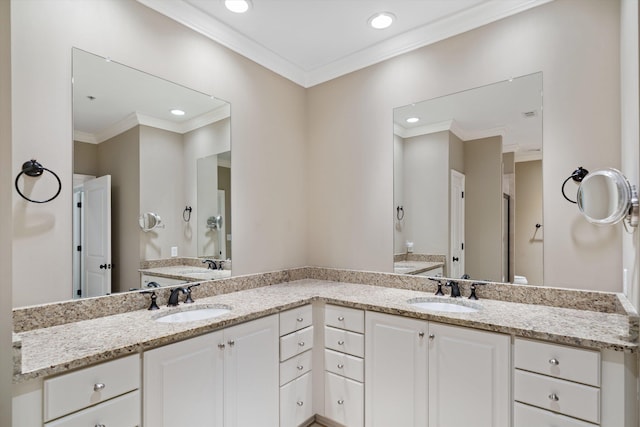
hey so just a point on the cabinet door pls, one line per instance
(183, 383)
(296, 404)
(344, 400)
(396, 352)
(469, 381)
(251, 374)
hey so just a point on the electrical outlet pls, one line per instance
(174, 251)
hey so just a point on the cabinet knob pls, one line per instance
(301, 343)
(341, 342)
(221, 346)
(421, 334)
(98, 386)
(340, 402)
(231, 343)
(100, 425)
(554, 397)
(300, 403)
(554, 361)
(340, 318)
(340, 366)
(299, 319)
(431, 336)
(300, 367)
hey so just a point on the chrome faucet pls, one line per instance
(455, 289)
(173, 298)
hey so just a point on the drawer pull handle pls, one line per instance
(98, 386)
(300, 367)
(340, 342)
(340, 318)
(301, 343)
(299, 319)
(300, 402)
(340, 366)
(554, 397)
(555, 362)
(340, 402)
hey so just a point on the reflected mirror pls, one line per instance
(145, 148)
(468, 184)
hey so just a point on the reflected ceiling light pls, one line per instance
(413, 120)
(237, 6)
(381, 20)
(177, 112)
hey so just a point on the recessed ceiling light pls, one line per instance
(413, 120)
(382, 20)
(237, 6)
(177, 112)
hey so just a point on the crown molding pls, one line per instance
(221, 33)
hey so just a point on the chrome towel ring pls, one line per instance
(34, 169)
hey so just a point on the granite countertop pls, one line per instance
(60, 348)
(415, 267)
(187, 272)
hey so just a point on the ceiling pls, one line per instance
(313, 41)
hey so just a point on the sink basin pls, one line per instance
(444, 306)
(193, 315)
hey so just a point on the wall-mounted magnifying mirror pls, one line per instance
(149, 221)
(606, 197)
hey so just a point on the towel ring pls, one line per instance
(34, 169)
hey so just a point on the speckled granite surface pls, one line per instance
(419, 257)
(59, 348)
(187, 272)
(415, 267)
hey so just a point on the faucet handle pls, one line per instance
(439, 290)
(188, 299)
(154, 297)
(473, 290)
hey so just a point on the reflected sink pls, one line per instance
(438, 304)
(193, 315)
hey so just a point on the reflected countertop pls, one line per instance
(187, 272)
(60, 348)
(415, 267)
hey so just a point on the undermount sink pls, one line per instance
(193, 315)
(437, 304)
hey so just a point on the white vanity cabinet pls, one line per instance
(344, 365)
(296, 358)
(104, 394)
(421, 373)
(225, 378)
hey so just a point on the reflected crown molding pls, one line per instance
(452, 126)
(135, 119)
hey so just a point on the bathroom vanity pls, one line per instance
(286, 353)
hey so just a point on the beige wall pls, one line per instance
(350, 133)
(85, 158)
(269, 132)
(528, 206)
(6, 189)
(224, 183)
(483, 208)
(119, 157)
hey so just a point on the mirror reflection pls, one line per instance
(146, 148)
(468, 184)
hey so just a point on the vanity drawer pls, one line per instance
(294, 367)
(528, 416)
(569, 363)
(344, 341)
(123, 411)
(576, 400)
(295, 319)
(296, 403)
(296, 343)
(350, 319)
(71, 392)
(345, 365)
(343, 400)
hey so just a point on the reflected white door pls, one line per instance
(97, 237)
(456, 249)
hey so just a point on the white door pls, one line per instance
(251, 374)
(396, 352)
(97, 237)
(456, 249)
(469, 377)
(183, 383)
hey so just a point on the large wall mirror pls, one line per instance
(152, 174)
(468, 184)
